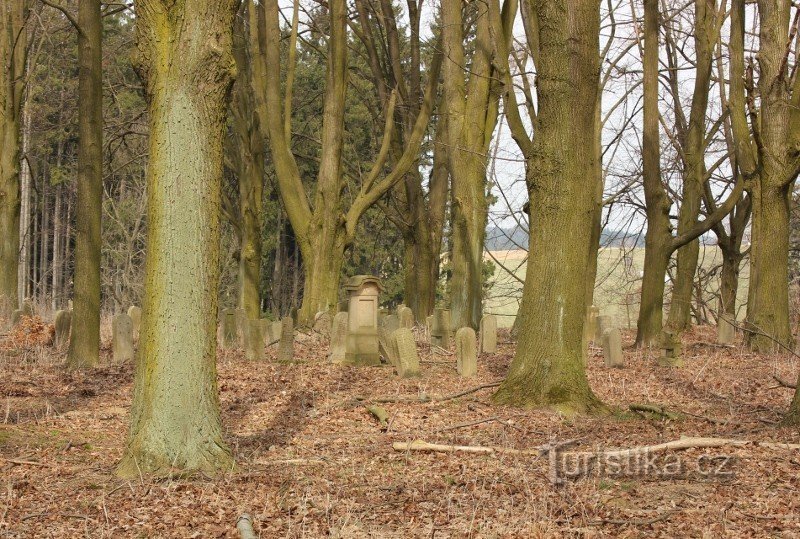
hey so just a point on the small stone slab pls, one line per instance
(254, 341)
(612, 348)
(489, 334)
(229, 328)
(63, 324)
(241, 325)
(338, 347)
(726, 330)
(466, 352)
(604, 322)
(286, 344)
(136, 317)
(440, 328)
(323, 322)
(407, 359)
(391, 323)
(122, 338)
(405, 317)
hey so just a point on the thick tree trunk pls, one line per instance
(84, 344)
(549, 366)
(175, 417)
(729, 281)
(768, 300)
(322, 268)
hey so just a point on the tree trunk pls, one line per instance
(549, 366)
(183, 45)
(768, 300)
(84, 343)
(322, 268)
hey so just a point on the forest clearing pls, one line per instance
(312, 461)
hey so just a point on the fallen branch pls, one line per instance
(468, 424)
(420, 445)
(428, 398)
(652, 409)
(636, 521)
(19, 462)
(784, 383)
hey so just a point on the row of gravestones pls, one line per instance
(600, 329)
(124, 331)
(252, 334)
(440, 330)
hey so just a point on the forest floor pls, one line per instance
(313, 462)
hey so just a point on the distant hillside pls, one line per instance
(509, 239)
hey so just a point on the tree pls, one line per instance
(84, 345)
(324, 225)
(13, 55)
(184, 56)
(768, 156)
(548, 367)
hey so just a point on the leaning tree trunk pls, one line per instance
(183, 46)
(84, 344)
(548, 368)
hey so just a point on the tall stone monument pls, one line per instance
(440, 328)
(726, 330)
(136, 317)
(229, 328)
(406, 359)
(466, 352)
(286, 344)
(612, 348)
(405, 317)
(254, 341)
(122, 338)
(63, 323)
(362, 323)
(489, 334)
(338, 338)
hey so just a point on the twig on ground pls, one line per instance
(20, 462)
(635, 521)
(468, 424)
(427, 398)
(784, 383)
(653, 409)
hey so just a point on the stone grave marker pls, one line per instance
(323, 322)
(62, 323)
(466, 352)
(16, 317)
(229, 328)
(286, 343)
(592, 327)
(338, 338)
(362, 332)
(136, 317)
(440, 328)
(122, 338)
(671, 350)
(604, 322)
(405, 317)
(27, 308)
(403, 346)
(612, 348)
(241, 325)
(489, 334)
(726, 330)
(254, 349)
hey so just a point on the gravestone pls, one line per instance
(612, 348)
(362, 323)
(62, 323)
(466, 352)
(489, 334)
(726, 330)
(16, 317)
(592, 326)
(338, 338)
(405, 317)
(341, 307)
(322, 323)
(403, 346)
(254, 341)
(391, 323)
(229, 328)
(440, 328)
(241, 325)
(428, 328)
(286, 344)
(671, 349)
(604, 322)
(27, 308)
(136, 317)
(274, 332)
(122, 338)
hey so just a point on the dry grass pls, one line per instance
(313, 462)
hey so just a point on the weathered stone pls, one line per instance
(391, 323)
(62, 323)
(274, 332)
(229, 328)
(338, 338)
(363, 347)
(122, 338)
(254, 341)
(323, 322)
(466, 352)
(286, 345)
(440, 328)
(407, 359)
(726, 330)
(592, 330)
(241, 326)
(405, 317)
(604, 322)
(27, 308)
(136, 317)
(489, 334)
(612, 348)
(16, 317)
(428, 328)
(671, 349)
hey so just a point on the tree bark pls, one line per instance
(549, 366)
(84, 344)
(184, 57)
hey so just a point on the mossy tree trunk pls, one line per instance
(324, 225)
(84, 344)
(548, 367)
(472, 105)
(185, 60)
(13, 55)
(768, 154)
